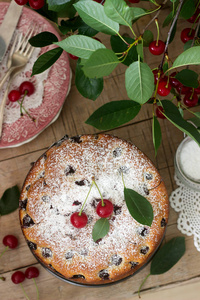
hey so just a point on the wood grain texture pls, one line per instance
(182, 281)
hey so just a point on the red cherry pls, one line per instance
(18, 277)
(155, 73)
(27, 86)
(164, 88)
(173, 81)
(11, 241)
(14, 95)
(36, 4)
(183, 89)
(187, 34)
(106, 210)
(134, 1)
(190, 100)
(32, 272)
(197, 90)
(21, 2)
(157, 48)
(74, 57)
(100, 1)
(79, 221)
(193, 18)
(159, 112)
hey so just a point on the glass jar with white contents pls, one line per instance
(187, 163)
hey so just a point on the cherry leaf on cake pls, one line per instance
(157, 134)
(168, 256)
(100, 229)
(139, 207)
(9, 202)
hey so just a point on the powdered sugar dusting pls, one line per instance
(92, 159)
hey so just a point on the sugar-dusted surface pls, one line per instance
(57, 186)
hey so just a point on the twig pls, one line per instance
(156, 15)
(170, 32)
(196, 32)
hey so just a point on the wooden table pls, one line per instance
(183, 280)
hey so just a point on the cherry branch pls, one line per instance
(196, 33)
(156, 16)
(170, 32)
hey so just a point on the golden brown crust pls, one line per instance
(57, 185)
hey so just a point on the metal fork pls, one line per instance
(21, 52)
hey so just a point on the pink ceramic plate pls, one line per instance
(56, 88)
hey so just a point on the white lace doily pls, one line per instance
(187, 202)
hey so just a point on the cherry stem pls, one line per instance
(123, 39)
(141, 285)
(3, 278)
(6, 248)
(86, 199)
(24, 292)
(123, 180)
(158, 31)
(36, 288)
(102, 203)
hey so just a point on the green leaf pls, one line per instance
(168, 256)
(88, 87)
(100, 229)
(46, 60)
(187, 45)
(77, 24)
(118, 11)
(173, 115)
(137, 13)
(80, 45)
(139, 81)
(168, 19)
(139, 48)
(188, 78)
(181, 111)
(9, 202)
(188, 57)
(173, 33)
(119, 46)
(43, 39)
(196, 120)
(157, 134)
(139, 207)
(147, 38)
(51, 15)
(93, 14)
(114, 114)
(59, 5)
(188, 9)
(101, 63)
(165, 66)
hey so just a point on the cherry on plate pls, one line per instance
(21, 2)
(36, 4)
(27, 87)
(74, 57)
(106, 210)
(79, 221)
(32, 272)
(10, 241)
(18, 277)
(14, 95)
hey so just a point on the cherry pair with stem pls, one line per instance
(104, 209)
(31, 273)
(35, 4)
